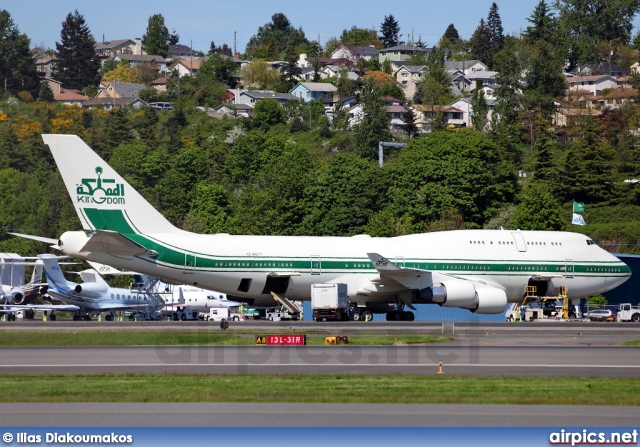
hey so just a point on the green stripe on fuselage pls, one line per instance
(115, 220)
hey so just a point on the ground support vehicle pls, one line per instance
(330, 302)
(627, 312)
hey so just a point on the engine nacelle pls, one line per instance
(16, 296)
(490, 300)
(91, 289)
(482, 300)
(451, 294)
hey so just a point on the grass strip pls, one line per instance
(188, 337)
(320, 389)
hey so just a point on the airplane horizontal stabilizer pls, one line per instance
(115, 243)
(46, 240)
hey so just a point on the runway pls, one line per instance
(461, 359)
(312, 415)
(540, 349)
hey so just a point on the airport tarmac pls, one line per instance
(516, 349)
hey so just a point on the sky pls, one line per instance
(199, 22)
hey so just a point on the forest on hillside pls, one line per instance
(266, 176)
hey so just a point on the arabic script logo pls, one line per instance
(99, 190)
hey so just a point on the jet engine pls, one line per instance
(91, 289)
(464, 294)
(16, 295)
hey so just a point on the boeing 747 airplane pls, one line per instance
(479, 270)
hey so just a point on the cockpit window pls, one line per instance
(590, 242)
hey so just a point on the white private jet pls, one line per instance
(174, 296)
(94, 294)
(479, 270)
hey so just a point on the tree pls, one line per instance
(390, 32)
(504, 121)
(291, 72)
(360, 36)
(17, 65)
(156, 39)
(543, 24)
(174, 37)
(589, 22)
(46, 94)
(537, 210)
(479, 109)
(279, 37)
(443, 171)
(76, 63)
(452, 34)
(494, 24)
(268, 113)
(545, 171)
(481, 44)
(374, 124)
(409, 120)
(260, 74)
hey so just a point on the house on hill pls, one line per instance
(107, 49)
(310, 91)
(401, 53)
(120, 90)
(355, 52)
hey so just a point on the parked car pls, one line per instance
(601, 315)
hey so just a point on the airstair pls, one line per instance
(290, 306)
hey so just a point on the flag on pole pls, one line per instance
(578, 207)
(578, 220)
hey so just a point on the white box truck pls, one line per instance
(330, 302)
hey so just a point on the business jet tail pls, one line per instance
(102, 198)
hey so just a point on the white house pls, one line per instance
(592, 84)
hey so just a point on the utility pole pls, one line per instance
(234, 44)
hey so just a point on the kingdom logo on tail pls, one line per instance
(100, 193)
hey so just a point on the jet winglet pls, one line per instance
(381, 263)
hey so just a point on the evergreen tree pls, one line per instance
(481, 44)
(479, 109)
(17, 66)
(278, 37)
(390, 32)
(543, 24)
(374, 124)
(174, 37)
(76, 63)
(545, 170)
(589, 22)
(117, 131)
(156, 39)
(409, 120)
(545, 79)
(452, 34)
(494, 24)
(46, 94)
(291, 71)
(504, 121)
(588, 167)
(538, 210)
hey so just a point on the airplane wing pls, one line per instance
(410, 278)
(114, 243)
(55, 307)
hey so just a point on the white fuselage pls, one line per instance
(241, 265)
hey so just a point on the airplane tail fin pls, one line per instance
(55, 278)
(101, 197)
